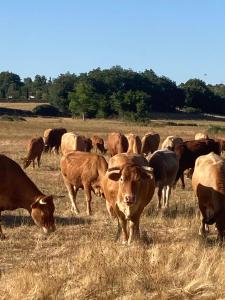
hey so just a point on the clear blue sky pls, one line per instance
(181, 39)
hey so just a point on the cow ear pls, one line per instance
(148, 171)
(46, 199)
(114, 174)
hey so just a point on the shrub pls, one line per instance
(46, 110)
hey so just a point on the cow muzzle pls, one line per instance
(49, 229)
(129, 199)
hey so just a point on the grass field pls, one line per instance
(81, 260)
(20, 105)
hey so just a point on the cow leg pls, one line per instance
(119, 230)
(38, 160)
(72, 194)
(123, 223)
(134, 232)
(182, 180)
(202, 229)
(2, 236)
(159, 197)
(167, 196)
(164, 196)
(87, 191)
(33, 164)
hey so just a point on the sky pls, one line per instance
(180, 39)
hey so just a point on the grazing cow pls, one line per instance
(134, 143)
(208, 182)
(165, 165)
(53, 139)
(18, 191)
(35, 149)
(171, 141)
(150, 142)
(222, 144)
(98, 144)
(116, 143)
(200, 135)
(83, 170)
(73, 142)
(188, 151)
(128, 187)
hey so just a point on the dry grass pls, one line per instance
(20, 105)
(81, 260)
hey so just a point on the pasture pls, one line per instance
(81, 260)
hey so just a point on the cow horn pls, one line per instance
(147, 169)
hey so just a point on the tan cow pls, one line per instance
(83, 170)
(134, 143)
(35, 149)
(171, 141)
(18, 191)
(116, 143)
(200, 135)
(208, 182)
(128, 187)
(98, 144)
(73, 142)
(150, 142)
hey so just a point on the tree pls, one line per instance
(82, 100)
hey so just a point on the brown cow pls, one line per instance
(150, 142)
(116, 143)
(18, 191)
(82, 170)
(53, 139)
(200, 135)
(134, 143)
(35, 149)
(171, 141)
(128, 187)
(98, 144)
(74, 142)
(208, 183)
(188, 151)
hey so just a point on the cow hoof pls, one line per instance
(75, 212)
(2, 236)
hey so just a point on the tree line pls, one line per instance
(115, 92)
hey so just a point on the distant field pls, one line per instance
(81, 260)
(22, 105)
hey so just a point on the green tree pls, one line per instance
(83, 101)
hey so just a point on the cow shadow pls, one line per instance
(16, 221)
(173, 212)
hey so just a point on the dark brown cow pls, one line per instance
(188, 151)
(53, 139)
(35, 149)
(117, 143)
(83, 170)
(18, 191)
(150, 143)
(128, 187)
(98, 144)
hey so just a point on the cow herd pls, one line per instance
(126, 179)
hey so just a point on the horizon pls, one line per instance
(178, 40)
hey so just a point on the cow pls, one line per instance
(18, 191)
(188, 151)
(98, 144)
(88, 143)
(134, 143)
(83, 170)
(53, 139)
(222, 144)
(165, 165)
(128, 186)
(116, 143)
(73, 142)
(170, 142)
(35, 149)
(150, 142)
(208, 182)
(200, 135)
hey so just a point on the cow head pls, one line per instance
(131, 179)
(26, 162)
(42, 213)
